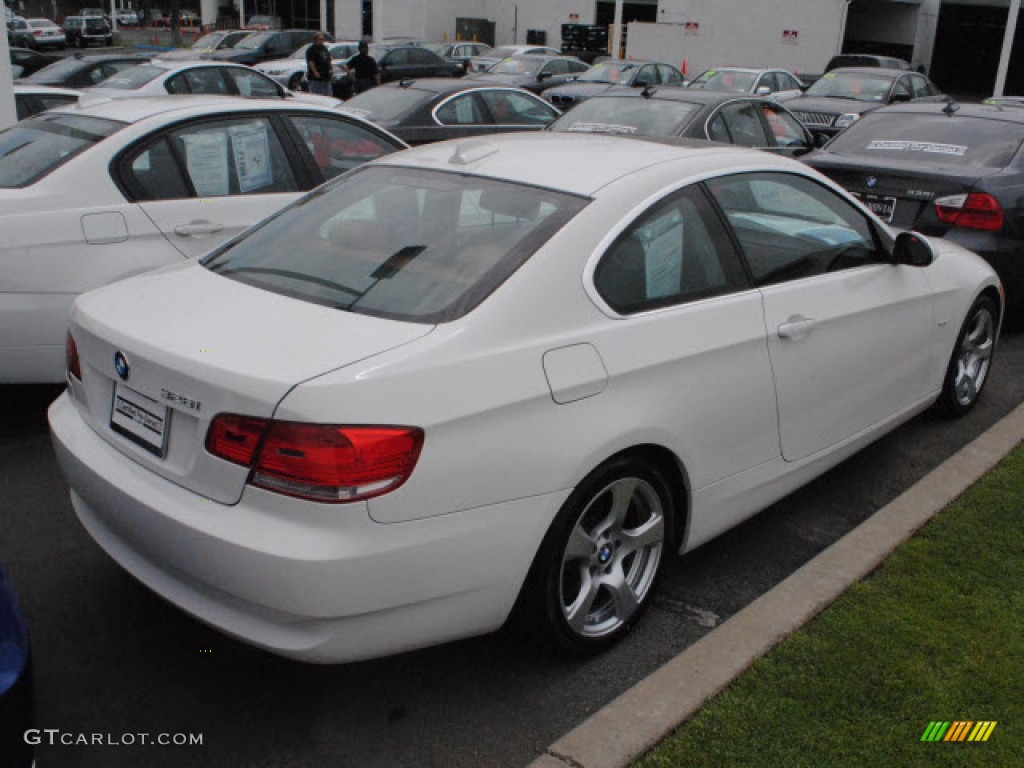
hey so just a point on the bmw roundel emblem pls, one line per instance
(871, 181)
(121, 365)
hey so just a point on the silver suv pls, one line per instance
(82, 30)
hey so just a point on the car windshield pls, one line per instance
(383, 104)
(627, 115)
(401, 243)
(618, 72)
(518, 65)
(852, 85)
(208, 41)
(254, 41)
(33, 148)
(934, 140)
(724, 80)
(133, 77)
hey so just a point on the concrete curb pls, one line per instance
(649, 711)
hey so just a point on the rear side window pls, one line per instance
(35, 147)
(407, 244)
(337, 145)
(933, 140)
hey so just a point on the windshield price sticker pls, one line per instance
(601, 128)
(956, 150)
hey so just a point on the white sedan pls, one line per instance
(486, 374)
(291, 72)
(95, 192)
(159, 78)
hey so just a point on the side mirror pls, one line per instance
(763, 90)
(898, 98)
(542, 76)
(640, 82)
(913, 250)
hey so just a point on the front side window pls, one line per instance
(786, 129)
(33, 148)
(791, 227)
(676, 252)
(739, 122)
(407, 244)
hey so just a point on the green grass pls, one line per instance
(936, 633)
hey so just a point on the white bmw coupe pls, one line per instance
(486, 375)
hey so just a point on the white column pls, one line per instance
(241, 14)
(323, 17)
(617, 36)
(1004, 57)
(208, 12)
(113, 15)
(8, 114)
(378, 20)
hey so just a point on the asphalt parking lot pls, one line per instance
(115, 661)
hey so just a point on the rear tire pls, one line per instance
(971, 360)
(596, 570)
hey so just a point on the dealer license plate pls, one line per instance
(882, 207)
(139, 418)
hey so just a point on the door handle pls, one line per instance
(198, 227)
(796, 326)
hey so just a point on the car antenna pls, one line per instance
(648, 91)
(951, 107)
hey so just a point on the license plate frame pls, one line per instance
(140, 419)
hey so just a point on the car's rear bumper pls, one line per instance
(316, 582)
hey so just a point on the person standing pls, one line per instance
(363, 69)
(319, 66)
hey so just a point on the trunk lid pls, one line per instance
(196, 344)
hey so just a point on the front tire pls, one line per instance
(295, 82)
(598, 565)
(971, 361)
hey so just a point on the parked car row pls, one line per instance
(275, 368)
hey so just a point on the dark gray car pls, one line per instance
(534, 73)
(608, 74)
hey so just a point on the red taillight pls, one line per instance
(321, 462)
(36, 32)
(978, 210)
(74, 365)
(235, 438)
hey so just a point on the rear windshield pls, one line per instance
(57, 71)
(618, 72)
(40, 23)
(405, 244)
(628, 115)
(33, 148)
(724, 80)
(381, 104)
(254, 41)
(134, 77)
(852, 85)
(932, 140)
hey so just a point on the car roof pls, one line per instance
(871, 71)
(137, 109)
(450, 85)
(29, 88)
(552, 155)
(1006, 113)
(670, 93)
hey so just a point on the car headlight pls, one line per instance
(846, 120)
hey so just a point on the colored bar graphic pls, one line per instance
(959, 730)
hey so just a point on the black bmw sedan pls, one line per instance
(950, 170)
(432, 109)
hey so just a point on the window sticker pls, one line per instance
(206, 157)
(957, 150)
(601, 128)
(251, 148)
(663, 263)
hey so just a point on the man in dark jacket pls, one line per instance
(318, 66)
(363, 69)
